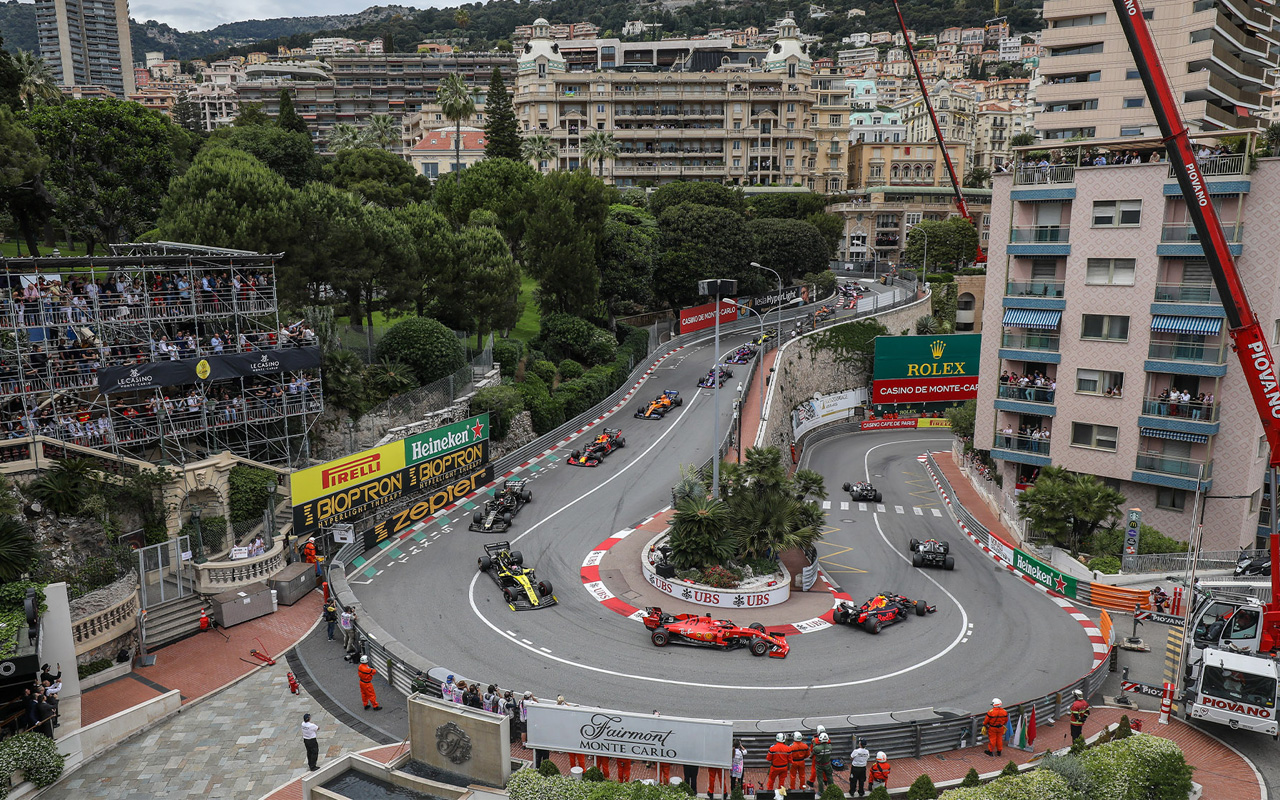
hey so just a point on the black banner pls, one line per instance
(766, 302)
(155, 374)
(435, 501)
(356, 500)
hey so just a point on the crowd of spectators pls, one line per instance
(1036, 387)
(1038, 166)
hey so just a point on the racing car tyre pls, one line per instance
(840, 617)
(759, 647)
(871, 625)
(879, 497)
(483, 563)
(506, 518)
(679, 401)
(914, 544)
(477, 517)
(946, 547)
(660, 637)
(517, 557)
(622, 443)
(756, 626)
(921, 608)
(917, 560)
(508, 594)
(544, 588)
(948, 563)
(526, 496)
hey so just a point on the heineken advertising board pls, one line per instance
(1043, 574)
(926, 369)
(346, 488)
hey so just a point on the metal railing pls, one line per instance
(1034, 445)
(1210, 166)
(1028, 394)
(1034, 288)
(1155, 406)
(1034, 174)
(1207, 353)
(1178, 562)
(1030, 341)
(440, 393)
(1186, 232)
(1174, 465)
(1187, 293)
(1027, 234)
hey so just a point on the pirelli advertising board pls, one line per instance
(349, 487)
(926, 369)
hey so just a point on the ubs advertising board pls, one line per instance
(624, 734)
(926, 369)
(450, 456)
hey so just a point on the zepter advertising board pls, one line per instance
(625, 734)
(926, 369)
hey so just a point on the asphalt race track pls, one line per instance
(992, 633)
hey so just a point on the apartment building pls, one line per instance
(956, 110)
(1218, 55)
(995, 125)
(87, 44)
(831, 116)
(742, 124)
(432, 155)
(1105, 290)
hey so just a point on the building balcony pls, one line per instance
(1154, 406)
(1029, 394)
(1173, 466)
(1029, 234)
(1182, 232)
(1187, 293)
(1034, 288)
(1033, 175)
(1021, 449)
(1029, 341)
(1190, 352)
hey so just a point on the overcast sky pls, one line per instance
(200, 15)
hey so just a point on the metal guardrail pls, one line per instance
(1177, 562)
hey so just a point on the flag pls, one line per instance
(1031, 729)
(1009, 732)
(1023, 744)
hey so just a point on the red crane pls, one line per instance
(980, 257)
(1247, 336)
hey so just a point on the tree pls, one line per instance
(949, 243)
(10, 80)
(251, 114)
(381, 131)
(852, 345)
(463, 18)
(831, 226)
(696, 242)
(344, 136)
(502, 131)
(790, 246)
(18, 551)
(962, 419)
(288, 118)
(1069, 507)
(457, 102)
(21, 189)
(493, 184)
(287, 153)
(599, 145)
(378, 176)
(110, 162)
(769, 512)
(700, 535)
(492, 280)
(186, 115)
(36, 82)
(1024, 139)
(427, 347)
(792, 205)
(926, 325)
(229, 199)
(978, 178)
(562, 240)
(627, 254)
(701, 192)
(375, 257)
(439, 289)
(539, 149)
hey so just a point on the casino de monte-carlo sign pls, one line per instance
(625, 734)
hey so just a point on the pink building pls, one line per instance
(1106, 296)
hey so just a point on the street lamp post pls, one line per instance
(195, 517)
(271, 514)
(924, 267)
(761, 316)
(717, 288)
(777, 332)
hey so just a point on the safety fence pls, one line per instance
(1179, 562)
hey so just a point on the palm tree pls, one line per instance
(381, 131)
(17, 549)
(600, 145)
(344, 136)
(457, 102)
(699, 534)
(539, 148)
(35, 79)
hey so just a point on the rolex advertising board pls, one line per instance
(926, 369)
(345, 488)
(626, 734)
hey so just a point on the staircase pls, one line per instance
(174, 620)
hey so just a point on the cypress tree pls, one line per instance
(501, 132)
(288, 117)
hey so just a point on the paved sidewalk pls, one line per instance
(973, 502)
(751, 408)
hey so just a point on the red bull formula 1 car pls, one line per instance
(882, 610)
(710, 381)
(604, 444)
(721, 634)
(660, 406)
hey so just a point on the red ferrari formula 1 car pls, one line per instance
(721, 634)
(881, 610)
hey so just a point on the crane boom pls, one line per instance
(980, 257)
(1247, 337)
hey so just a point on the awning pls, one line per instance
(1201, 326)
(1177, 436)
(1037, 318)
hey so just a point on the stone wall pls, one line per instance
(799, 372)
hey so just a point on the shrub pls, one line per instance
(508, 352)
(737, 794)
(1009, 769)
(93, 667)
(248, 488)
(1126, 728)
(824, 283)
(633, 342)
(548, 768)
(971, 778)
(1106, 564)
(1138, 768)
(941, 277)
(502, 403)
(879, 793)
(36, 755)
(1072, 770)
(546, 411)
(430, 349)
(545, 370)
(213, 533)
(594, 774)
(565, 336)
(529, 784)
(570, 370)
(832, 792)
(14, 593)
(922, 789)
(718, 577)
(1038, 785)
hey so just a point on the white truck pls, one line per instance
(1234, 689)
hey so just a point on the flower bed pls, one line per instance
(717, 586)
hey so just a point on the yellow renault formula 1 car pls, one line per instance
(520, 587)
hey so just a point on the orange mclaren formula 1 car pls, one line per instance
(661, 405)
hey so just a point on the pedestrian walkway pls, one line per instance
(751, 408)
(973, 502)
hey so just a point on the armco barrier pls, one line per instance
(1117, 599)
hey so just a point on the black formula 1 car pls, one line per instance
(863, 491)
(710, 381)
(520, 587)
(742, 355)
(882, 610)
(661, 405)
(507, 501)
(700, 631)
(599, 447)
(931, 553)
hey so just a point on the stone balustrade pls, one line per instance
(215, 577)
(103, 626)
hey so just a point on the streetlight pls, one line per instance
(924, 268)
(195, 517)
(778, 332)
(271, 513)
(761, 316)
(717, 288)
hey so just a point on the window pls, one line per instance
(837, 119)
(737, 162)
(737, 145)
(1254, 500)
(1135, 102)
(1076, 22)
(1072, 105)
(431, 169)
(1070, 133)
(1102, 326)
(1116, 213)
(1131, 131)
(791, 162)
(599, 108)
(1092, 381)
(1131, 75)
(1263, 447)
(1109, 272)
(1171, 499)
(913, 218)
(1102, 437)
(1076, 50)
(791, 108)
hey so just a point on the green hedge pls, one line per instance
(1037, 785)
(543, 369)
(547, 411)
(941, 277)
(248, 490)
(528, 784)
(502, 403)
(508, 352)
(94, 667)
(570, 370)
(1138, 768)
(36, 755)
(566, 336)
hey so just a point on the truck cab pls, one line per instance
(1228, 622)
(1234, 689)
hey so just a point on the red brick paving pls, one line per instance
(751, 408)
(968, 497)
(206, 662)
